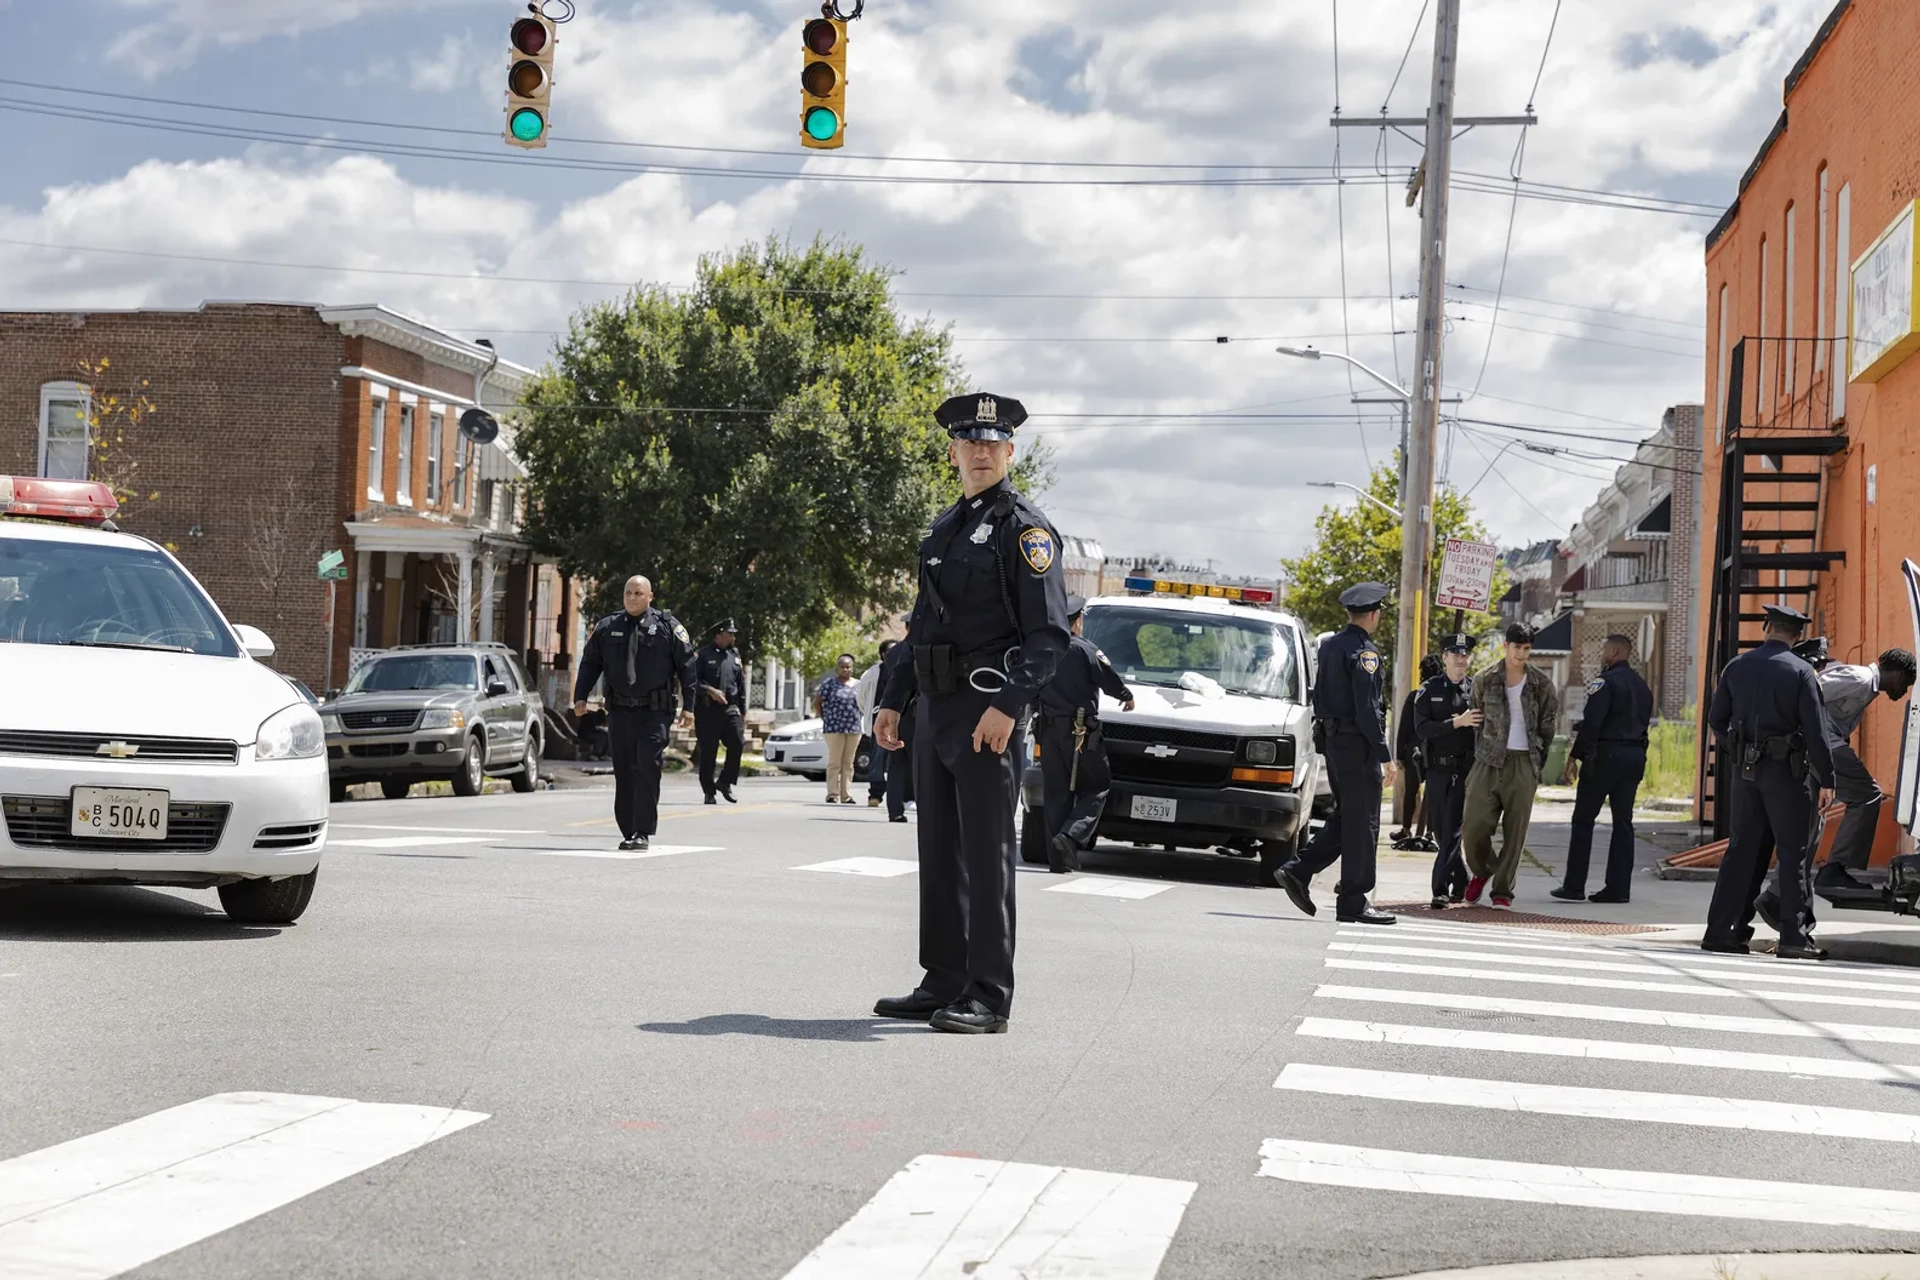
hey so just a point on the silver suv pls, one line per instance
(444, 712)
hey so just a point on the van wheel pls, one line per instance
(395, 788)
(473, 769)
(528, 779)
(1033, 838)
(268, 901)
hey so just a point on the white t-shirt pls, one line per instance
(1516, 727)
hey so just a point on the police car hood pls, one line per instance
(134, 693)
(1200, 708)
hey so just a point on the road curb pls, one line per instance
(1713, 1266)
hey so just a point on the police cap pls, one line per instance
(725, 624)
(1364, 597)
(1458, 642)
(1076, 605)
(1787, 617)
(979, 416)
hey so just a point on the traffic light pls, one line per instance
(823, 84)
(530, 81)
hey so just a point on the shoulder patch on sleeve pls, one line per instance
(1036, 548)
(1369, 661)
(680, 632)
(1596, 685)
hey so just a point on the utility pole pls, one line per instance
(1431, 183)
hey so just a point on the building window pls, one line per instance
(1842, 294)
(404, 489)
(1726, 350)
(377, 452)
(1822, 275)
(436, 427)
(1788, 361)
(460, 468)
(65, 408)
(1763, 401)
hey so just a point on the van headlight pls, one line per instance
(1261, 751)
(293, 734)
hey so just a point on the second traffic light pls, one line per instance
(530, 81)
(823, 84)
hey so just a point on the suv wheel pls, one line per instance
(395, 788)
(268, 901)
(473, 769)
(337, 790)
(528, 779)
(1033, 838)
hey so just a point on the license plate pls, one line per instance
(1153, 809)
(119, 814)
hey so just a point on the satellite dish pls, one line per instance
(479, 426)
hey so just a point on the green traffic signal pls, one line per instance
(527, 124)
(822, 124)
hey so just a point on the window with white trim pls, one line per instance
(436, 427)
(65, 408)
(377, 451)
(403, 490)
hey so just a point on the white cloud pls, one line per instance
(177, 31)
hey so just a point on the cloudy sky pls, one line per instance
(1091, 280)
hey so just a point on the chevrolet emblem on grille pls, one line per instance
(1162, 750)
(118, 750)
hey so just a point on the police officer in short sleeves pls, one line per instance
(1347, 718)
(987, 632)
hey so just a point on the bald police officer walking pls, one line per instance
(641, 653)
(1349, 732)
(1767, 714)
(987, 632)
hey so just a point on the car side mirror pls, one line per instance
(330, 695)
(496, 688)
(255, 642)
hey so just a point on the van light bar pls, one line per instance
(80, 501)
(1201, 590)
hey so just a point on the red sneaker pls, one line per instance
(1475, 887)
(1502, 902)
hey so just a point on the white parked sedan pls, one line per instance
(141, 742)
(801, 748)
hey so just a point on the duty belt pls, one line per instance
(660, 699)
(941, 668)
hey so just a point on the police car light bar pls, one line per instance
(1201, 590)
(79, 501)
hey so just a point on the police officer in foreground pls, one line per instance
(1772, 729)
(987, 632)
(1073, 762)
(1348, 731)
(643, 654)
(1608, 760)
(719, 711)
(1444, 722)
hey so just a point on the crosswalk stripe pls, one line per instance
(1751, 974)
(1857, 1033)
(401, 842)
(1692, 1195)
(947, 1217)
(623, 855)
(1619, 984)
(1101, 887)
(1581, 1102)
(432, 831)
(1603, 1050)
(883, 867)
(117, 1199)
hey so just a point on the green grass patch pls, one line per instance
(1673, 756)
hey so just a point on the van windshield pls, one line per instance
(1246, 653)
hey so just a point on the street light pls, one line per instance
(1342, 484)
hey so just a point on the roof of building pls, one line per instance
(1556, 637)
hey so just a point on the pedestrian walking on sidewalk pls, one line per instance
(1444, 722)
(1606, 764)
(1518, 709)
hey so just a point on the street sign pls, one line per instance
(1466, 575)
(333, 567)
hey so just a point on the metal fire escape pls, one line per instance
(1780, 435)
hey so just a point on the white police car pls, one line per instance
(1218, 752)
(140, 740)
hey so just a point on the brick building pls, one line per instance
(279, 433)
(1811, 486)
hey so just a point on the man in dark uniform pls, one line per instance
(1767, 715)
(1073, 762)
(1412, 807)
(1347, 719)
(720, 711)
(642, 654)
(987, 632)
(1444, 721)
(1609, 757)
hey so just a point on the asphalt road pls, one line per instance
(590, 1065)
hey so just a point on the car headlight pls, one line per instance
(806, 735)
(1261, 751)
(330, 723)
(443, 718)
(293, 734)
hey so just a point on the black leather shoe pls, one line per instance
(898, 817)
(1725, 946)
(1567, 895)
(1833, 877)
(1065, 855)
(727, 794)
(1296, 890)
(1367, 915)
(1809, 950)
(1608, 897)
(969, 1018)
(711, 800)
(1769, 909)
(1438, 904)
(918, 1006)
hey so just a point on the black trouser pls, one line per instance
(1854, 787)
(1408, 814)
(638, 738)
(1776, 810)
(890, 775)
(1351, 836)
(967, 800)
(1611, 778)
(1073, 810)
(1446, 809)
(713, 728)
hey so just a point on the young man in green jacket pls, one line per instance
(1518, 709)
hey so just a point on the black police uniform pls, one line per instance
(1069, 728)
(1447, 753)
(641, 660)
(1773, 731)
(900, 763)
(718, 724)
(1611, 746)
(1347, 716)
(987, 631)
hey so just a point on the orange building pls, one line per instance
(1810, 489)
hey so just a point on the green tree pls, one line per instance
(1363, 545)
(761, 446)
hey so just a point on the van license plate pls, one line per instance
(119, 813)
(1153, 809)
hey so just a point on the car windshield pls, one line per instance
(1246, 653)
(105, 595)
(416, 671)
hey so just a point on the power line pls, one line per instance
(1387, 101)
(1533, 430)
(1615, 312)
(1572, 337)
(1494, 468)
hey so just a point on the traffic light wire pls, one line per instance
(832, 10)
(540, 7)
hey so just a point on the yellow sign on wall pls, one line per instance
(1884, 330)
